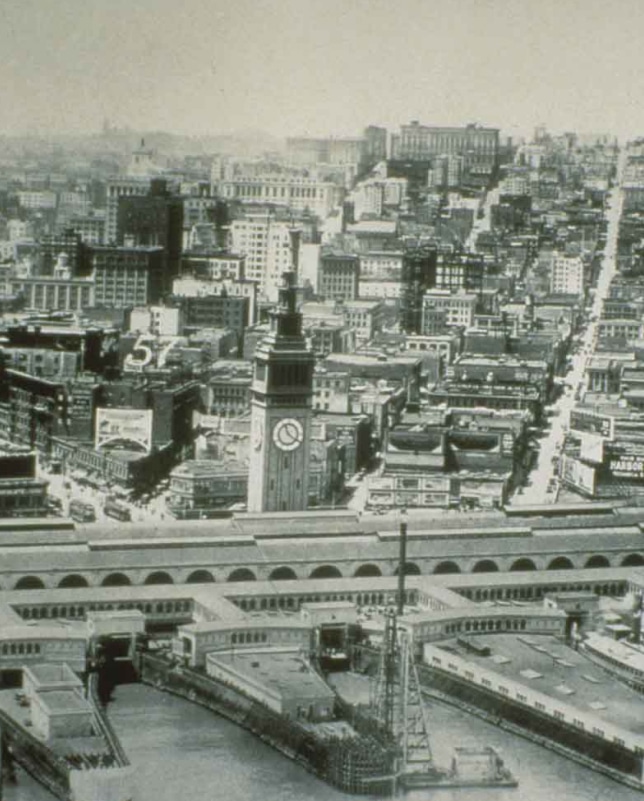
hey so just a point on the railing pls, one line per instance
(33, 754)
(103, 723)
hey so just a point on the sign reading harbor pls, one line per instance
(129, 428)
(587, 422)
(628, 465)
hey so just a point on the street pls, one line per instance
(541, 485)
(66, 489)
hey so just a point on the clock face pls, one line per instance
(257, 435)
(288, 434)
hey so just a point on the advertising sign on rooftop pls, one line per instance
(589, 422)
(124, 427)
(578, 475)
(627, 465)
(592, 448)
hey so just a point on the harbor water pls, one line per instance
(183, 751)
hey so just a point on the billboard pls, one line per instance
(592, 448)
(124, 426)
(627, 465)
(577, 474)
(588, 422)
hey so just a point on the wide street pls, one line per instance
(66, 488)
(541, 485)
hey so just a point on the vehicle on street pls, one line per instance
(82, 511)
(117, 509)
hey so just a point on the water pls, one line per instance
(182, 751)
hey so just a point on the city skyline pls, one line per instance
(303, 68)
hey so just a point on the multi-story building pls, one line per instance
(373, 197)
(50, 364)
(32, 409)
(20, 230)
(200, 486)
(37, 199)
(325, 338)
(381, 264)
(418, 275)
(365, 317)
(456, 308)
(54, 293)
(362, 151)
(298, 192)
(456, 271)
(421, 143)
(95, 347)
(567, 276)
(445, 346)
(227, 392)
(200, 308)
(127, 276)
(120, 188)
(67, 243)
(21, 493)
(619, 329)
(153, 220)
(215, 266)
(269, 245)
(446, 171)
(375, 288)
(375, 144)
(164, 321)
(90, 226)
(339, 276)
(331, 390)
(398, 375)
(216, 311)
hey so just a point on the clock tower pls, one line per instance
(281, 412)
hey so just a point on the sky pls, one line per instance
(320, 67)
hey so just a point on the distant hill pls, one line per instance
(123, 141)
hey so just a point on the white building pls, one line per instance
(297, 192)
(458, 307)
(567, 275)
(161, 320)
(37, 199)
(365, 317)
(267, 245)
(374, 288)
(381, 264)
(201, 288)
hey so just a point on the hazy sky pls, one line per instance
(320, 67)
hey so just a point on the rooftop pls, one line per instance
(48, 673)
(546, 665)
(283, 671)
(64, 701)
(207, 468)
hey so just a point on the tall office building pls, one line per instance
(567, 275)
(154, 220)
(125, 277)
(118, 188)
(423, 142)
(268, 245)
(281, 395)
(418, 275)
